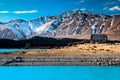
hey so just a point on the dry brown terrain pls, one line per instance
(79, 49)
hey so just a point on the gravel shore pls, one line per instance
(60, 60)
(78, 55)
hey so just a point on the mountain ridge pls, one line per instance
(71, 24)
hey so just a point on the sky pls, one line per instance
(31, 9)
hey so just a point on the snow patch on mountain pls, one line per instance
(15, 30)
(24, 27)
(44, 27)
(94, 26)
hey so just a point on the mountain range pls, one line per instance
(78, 24)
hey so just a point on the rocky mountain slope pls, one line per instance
(71, 24)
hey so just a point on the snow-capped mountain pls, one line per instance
(71, 24)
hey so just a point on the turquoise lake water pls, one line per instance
(14, 50)
(59, 73)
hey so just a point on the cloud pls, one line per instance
(83, 9)
(105, 8)
(4, 12)
(112, 3)
(19, 12)
(114, 8)
(78, 2)
(25, 12)
(82, 1)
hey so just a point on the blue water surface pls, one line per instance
(16, 50)
(59, 73)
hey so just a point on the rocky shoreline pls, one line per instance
(77, 55)
(60, 60)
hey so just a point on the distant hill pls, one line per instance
(40, 42)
